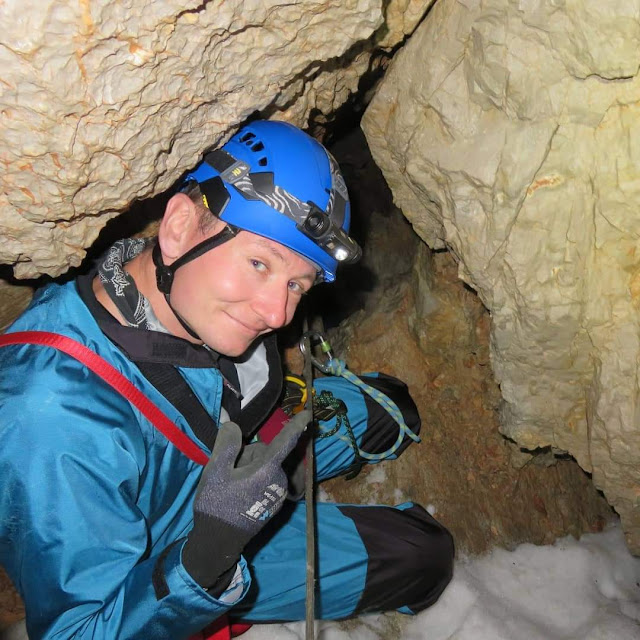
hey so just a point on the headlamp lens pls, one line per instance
(319, 227)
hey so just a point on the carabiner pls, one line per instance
(315, 337)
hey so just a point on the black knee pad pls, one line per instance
(410, 557)
(382, 429)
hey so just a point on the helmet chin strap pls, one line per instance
(165, 273)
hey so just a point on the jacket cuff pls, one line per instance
(174, 586)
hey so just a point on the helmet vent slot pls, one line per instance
(262, 161)
(258, 146)
(247, 137)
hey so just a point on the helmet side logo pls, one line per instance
(235, 172)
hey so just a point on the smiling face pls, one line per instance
(238, 291)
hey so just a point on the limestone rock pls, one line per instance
(420, 323)
(463, 470)
(105, 102)
(329, 88)
(401, 19)
(508, 132)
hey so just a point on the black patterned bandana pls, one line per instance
(122, 289)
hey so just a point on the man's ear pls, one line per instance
(178, 227)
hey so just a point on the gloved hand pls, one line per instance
(295, 468)
(234, 501)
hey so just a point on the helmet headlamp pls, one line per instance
(319, 226)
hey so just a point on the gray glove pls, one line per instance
(234, 501)
(295, 468)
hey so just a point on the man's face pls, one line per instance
(240, 290)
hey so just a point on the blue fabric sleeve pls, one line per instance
(90, 501)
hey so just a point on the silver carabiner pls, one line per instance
(315, 337)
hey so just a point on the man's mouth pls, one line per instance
(248, 328)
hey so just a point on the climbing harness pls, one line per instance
(342, 429)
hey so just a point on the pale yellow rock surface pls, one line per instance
(327, 89)
(104, 102)
(508, 131)
(401, 19)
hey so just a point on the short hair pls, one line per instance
(206, 217)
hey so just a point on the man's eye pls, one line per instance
(258, 266)
(296, 287)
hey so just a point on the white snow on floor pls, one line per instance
(574, 590)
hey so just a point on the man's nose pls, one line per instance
(272, 306)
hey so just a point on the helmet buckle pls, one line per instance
(164, 274)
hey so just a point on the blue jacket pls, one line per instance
(94, 502)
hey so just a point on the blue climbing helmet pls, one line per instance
(276, 181)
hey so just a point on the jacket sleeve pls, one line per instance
(80, 534)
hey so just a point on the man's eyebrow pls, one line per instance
(265, 244)
(311, 277)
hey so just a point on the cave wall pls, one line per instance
(419, 322)
(508, 132)
(103, 103)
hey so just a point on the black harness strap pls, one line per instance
(168, 381)
(231, 396)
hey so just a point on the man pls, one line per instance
(107, 529)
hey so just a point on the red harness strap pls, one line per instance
(116, 380)
(220, 629)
